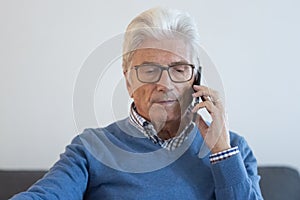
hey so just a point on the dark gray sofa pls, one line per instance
(13, 182)
(277, 183)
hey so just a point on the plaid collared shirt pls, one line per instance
(148, 130)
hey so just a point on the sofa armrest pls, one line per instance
(15, 181)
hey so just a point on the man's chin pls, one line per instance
(164, 117)
(162, 113)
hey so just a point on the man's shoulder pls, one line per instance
(120, 130)
(110, 128)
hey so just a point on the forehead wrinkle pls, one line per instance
(157, 56)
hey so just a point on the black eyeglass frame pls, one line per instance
(162, 68)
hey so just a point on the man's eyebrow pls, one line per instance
(149, 62)
(172, 63)
(178, 62)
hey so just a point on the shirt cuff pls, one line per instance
(216, 157)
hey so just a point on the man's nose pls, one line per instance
(165, 80)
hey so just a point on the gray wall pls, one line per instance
(254, 45)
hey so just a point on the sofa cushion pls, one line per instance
(279, 183)
(13, 182)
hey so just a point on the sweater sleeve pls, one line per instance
(236, 177)
(67, 179)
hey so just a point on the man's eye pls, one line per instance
(149, 71)
(180, 69)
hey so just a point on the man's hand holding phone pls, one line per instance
(216, 135)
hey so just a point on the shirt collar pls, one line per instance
(149, 131)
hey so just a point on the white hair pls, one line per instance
(160, 23)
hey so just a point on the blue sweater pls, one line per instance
(117, 162)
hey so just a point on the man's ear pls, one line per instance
(128, 85)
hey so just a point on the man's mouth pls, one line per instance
(165, 102)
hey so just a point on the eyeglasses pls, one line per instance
(151, 73)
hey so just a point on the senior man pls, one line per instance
(164, 149)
